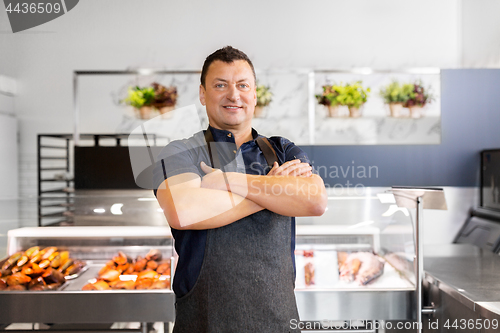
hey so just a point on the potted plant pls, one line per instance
(395, 95)
(164, 98)
(419, 97)
(141, 99)
(264, 97)
(353, 95)
(329, 99)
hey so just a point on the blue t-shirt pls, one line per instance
(182, 156)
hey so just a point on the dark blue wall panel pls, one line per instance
(470, 122)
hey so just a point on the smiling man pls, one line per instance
(230, 195)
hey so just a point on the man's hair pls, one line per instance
(227, 54)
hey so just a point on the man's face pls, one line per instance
(229, 94)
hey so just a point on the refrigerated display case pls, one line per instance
(380, 286)
(94, 245)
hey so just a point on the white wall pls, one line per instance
(8, 139)
(118, 34)
(481, 33)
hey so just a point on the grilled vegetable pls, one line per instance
(143, 283)
(128, 285)
(10, 263)
(32, 251)
(164, 268)
(53, 286)
(44, 264)
(148, 275)
(121, 259)
(140, 264)
(160, 284)
(153, 255)
(48, 252)
(39, 281)
(75, 268)
(19, 287)
(16, 269)
(101, 285)
(53, 276)
(18, 278)
(23, 260)
(36, 258)
(66, 264)
(56, 261)
(152, 265)
(110, 275)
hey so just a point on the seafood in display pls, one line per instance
(309, 268)
(36, 269)
(362, 267)
(122, 272)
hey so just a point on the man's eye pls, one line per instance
(243, 85)
(219, 85)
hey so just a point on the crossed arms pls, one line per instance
(218, 198)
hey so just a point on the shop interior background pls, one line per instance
(384, 34)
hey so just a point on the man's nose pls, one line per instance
(233, 94)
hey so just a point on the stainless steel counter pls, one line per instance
(467, 274)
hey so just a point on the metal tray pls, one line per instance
(70, 304)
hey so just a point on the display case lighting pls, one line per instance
(99, 210)
(146, 199)
(116, 209)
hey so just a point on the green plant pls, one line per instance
(396, 92)
(352, 94)
(329, 96)
(264, 95)
(164, 96)
(419, 95)
(139, 97)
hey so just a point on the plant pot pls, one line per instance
(259, 112)
(415, 111)
(165, 111)
(396, 109)
(145, 112)
(333, 111)
(354, 112)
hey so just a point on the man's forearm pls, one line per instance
(285, 195)
(199, 208)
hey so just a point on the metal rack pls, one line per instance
(59, 197)
(56, 204)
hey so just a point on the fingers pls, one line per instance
(291, 168)
(279, 170)
(272, 172)
(205, 168)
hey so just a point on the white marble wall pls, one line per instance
(288, 114)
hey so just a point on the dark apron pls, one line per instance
(246, 282)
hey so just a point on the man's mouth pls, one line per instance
(231, 107)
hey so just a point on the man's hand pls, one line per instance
(291, 168)
(214, 178)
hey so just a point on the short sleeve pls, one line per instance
(174, 160)
(293, 152)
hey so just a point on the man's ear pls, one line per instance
(202, 95)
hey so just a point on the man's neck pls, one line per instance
(240, 137)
